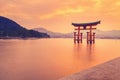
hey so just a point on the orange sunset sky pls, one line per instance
(57, 15)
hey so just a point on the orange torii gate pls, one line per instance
(85, 26)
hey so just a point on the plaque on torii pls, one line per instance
(85, 26)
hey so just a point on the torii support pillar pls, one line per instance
(87, 37)
(93, 37)
(74, 37)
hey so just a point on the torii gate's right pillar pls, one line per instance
(91, 36)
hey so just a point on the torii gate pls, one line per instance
(85, 26)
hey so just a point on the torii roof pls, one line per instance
(86, 24)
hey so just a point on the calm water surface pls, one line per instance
(51, 59)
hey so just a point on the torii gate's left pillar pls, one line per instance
(77, 35)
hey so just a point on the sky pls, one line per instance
(57, 15)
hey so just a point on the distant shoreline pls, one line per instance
(44, 38)
(20, 38)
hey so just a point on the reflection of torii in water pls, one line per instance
(90, 51)
(84, 53)
(85, 26)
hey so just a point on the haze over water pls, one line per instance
(51, 59)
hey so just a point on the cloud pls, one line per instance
(98, 3)
(45, 12)
(63, 12)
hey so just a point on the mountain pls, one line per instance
(99, 33)
(52, 34)
(108, 34)
(11, 29)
